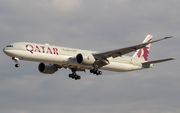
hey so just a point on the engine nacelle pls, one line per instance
(85, 58)
(47, 68)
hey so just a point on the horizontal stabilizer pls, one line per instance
(158, 61)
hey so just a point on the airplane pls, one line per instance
(52, 57)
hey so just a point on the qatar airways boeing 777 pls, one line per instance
(53, 57)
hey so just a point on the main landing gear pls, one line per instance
(16, 60)
(96, 71)
(77, 77)
(74, 75)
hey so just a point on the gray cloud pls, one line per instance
(95, 25)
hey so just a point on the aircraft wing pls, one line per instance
(120, 52)
(157, 61)
(102, 57)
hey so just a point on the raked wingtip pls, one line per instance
(168, 37)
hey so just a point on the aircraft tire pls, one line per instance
(70, 75)
(100, 72)
(17, 65)
(77, 77)
(91, 71)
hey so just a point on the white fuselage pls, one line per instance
(61, 56)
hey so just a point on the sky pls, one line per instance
(99, 25)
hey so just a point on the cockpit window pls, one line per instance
(9, 46)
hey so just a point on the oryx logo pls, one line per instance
(88, 58)
(145, 51)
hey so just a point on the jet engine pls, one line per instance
(85, 58)
(47, 68)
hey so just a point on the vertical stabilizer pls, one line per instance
(144, 52)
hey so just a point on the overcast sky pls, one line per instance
(99, 25)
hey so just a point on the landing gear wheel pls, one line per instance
(70, 75)
(97, 72)
(91, 71)
(17, 65)
(100, 72)
(78, 77)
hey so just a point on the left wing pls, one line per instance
(120, 52)
(149, 63)
(157, 61)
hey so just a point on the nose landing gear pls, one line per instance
(16, 60)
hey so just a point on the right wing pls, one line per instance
(120, 52)
(102, 57)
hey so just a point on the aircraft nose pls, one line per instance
(4, 50)
(7, 51)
